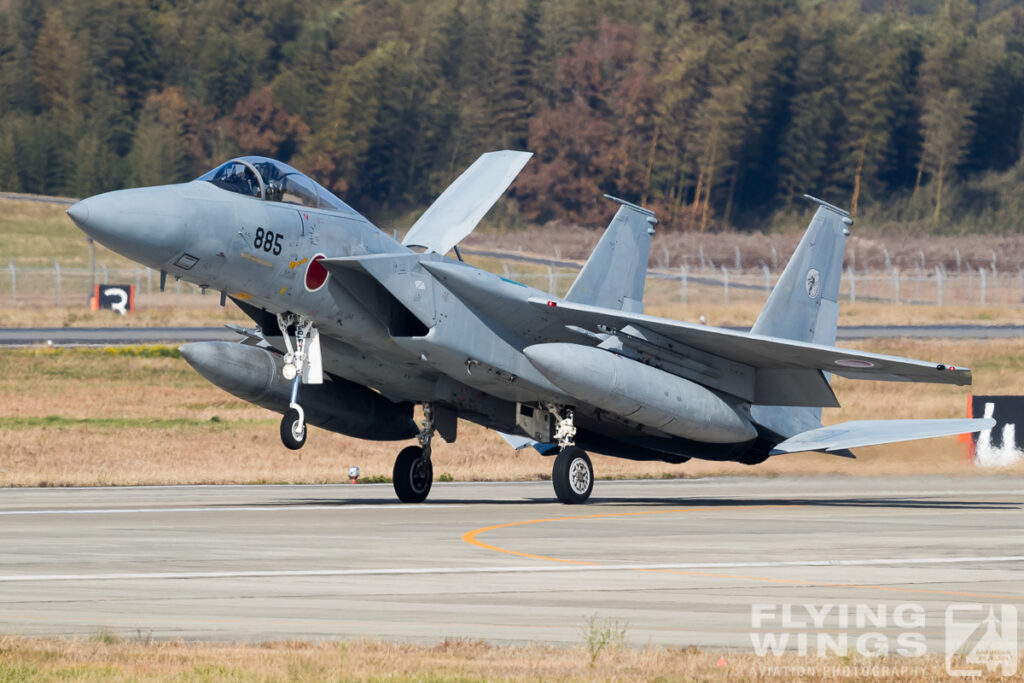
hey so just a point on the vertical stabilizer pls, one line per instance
(804, 305)
(615, 273)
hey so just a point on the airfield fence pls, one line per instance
(923, 285)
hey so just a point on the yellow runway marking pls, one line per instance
(471, 538)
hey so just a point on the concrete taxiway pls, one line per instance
(680, 562)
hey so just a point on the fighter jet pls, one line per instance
(353, 329)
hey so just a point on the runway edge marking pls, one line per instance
(225, 508)
(513, 569)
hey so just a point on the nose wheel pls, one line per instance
(293, 429)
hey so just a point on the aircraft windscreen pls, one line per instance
(275, 182)
(234, 177)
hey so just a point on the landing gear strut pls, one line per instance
(302, 363)
(572, 474)
(414, 473)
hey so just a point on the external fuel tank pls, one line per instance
(253, 374)
(640, 393)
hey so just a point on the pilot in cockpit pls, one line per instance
(274, 181)
(273, 192)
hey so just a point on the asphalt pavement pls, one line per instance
(706, 562)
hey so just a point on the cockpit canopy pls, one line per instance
(273, 181)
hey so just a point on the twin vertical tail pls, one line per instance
(615, 274)
(804, 305)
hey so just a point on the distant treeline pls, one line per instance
(713, 112)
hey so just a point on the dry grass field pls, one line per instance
(106, 658)
(141, 415)
(661, 299)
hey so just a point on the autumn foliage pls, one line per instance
(719, 113)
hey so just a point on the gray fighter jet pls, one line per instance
(354, 328)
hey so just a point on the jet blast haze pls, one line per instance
(353, 329)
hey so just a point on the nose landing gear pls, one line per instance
(302, 365)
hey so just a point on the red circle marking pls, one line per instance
(316, 274)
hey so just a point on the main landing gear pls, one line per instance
(413, 473)
(573, 474)
(302, 364)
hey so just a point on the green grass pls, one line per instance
(215, 423)
(132, 351)
(160, 365)
(35, 234)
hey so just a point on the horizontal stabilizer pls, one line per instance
(848, 435)
(457, 211)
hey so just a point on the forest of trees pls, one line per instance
(716, 113)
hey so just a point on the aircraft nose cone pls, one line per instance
(79, 213)
(146, 224)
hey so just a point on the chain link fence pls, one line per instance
(972, 285)
(921, 286)
(62, 286)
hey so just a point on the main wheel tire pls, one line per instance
(413, 475)
(573, 476)
(293, 430)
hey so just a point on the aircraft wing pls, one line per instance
(848, 435)
(460, 207)
(757, 351)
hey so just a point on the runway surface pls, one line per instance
(681, 562)
(105, 336)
